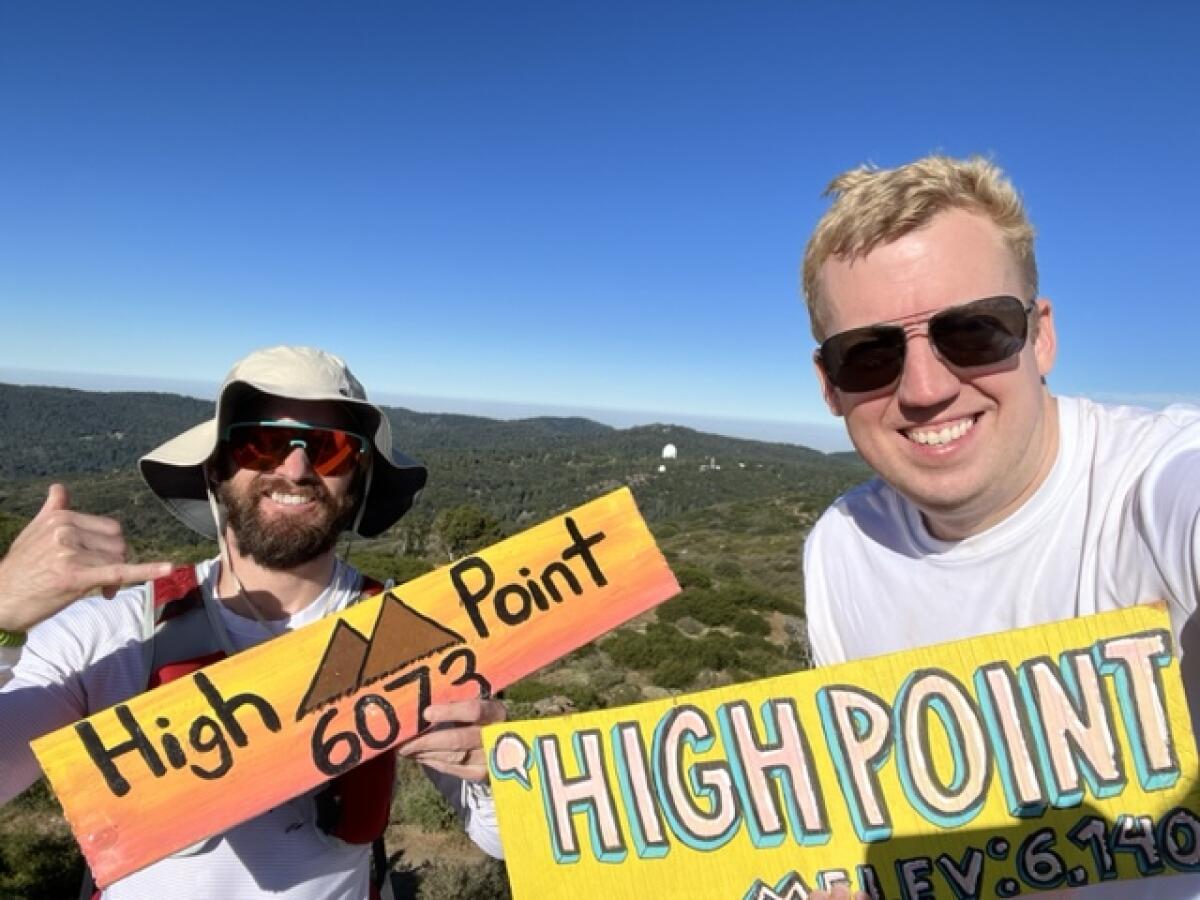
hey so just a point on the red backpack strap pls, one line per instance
(359, 802)
(180, 584)
(182, 640)
(370, 587)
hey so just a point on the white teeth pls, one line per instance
(941, 436)
(288, 499)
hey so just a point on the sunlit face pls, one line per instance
(289, 515)
(967, 446)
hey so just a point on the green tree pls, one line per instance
(459, 530)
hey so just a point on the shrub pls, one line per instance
(463, 881)
(727, 568)
(37, 796)
(666, 637)
(419, 803)
(631, 650)
(690, 576)
(798, 652)
(673, 610)
(580, 653)
(39, 866)
(459, 530)
(584, 696)
(406, 568)
(389, 567)
(676, 674)
(604, 678)
(529, 690)
(709, 607)
(624, 694)
(634, 650)
(716, 651)
(760, 663)
(747, 622)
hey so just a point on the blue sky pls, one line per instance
(581, 205)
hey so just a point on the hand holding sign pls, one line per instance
(456, 750)
(60, 556)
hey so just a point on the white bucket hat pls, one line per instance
(175, 470)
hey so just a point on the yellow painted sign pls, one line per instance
(1043, 758)
(200, 754)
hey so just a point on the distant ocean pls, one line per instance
(827, 438)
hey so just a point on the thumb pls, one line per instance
(56, 498)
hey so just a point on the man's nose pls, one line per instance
(296, 465)
(926, 379)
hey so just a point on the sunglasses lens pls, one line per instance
(332, 452)
(981, 333)
(864, 359)
(258, 447)
(264, 447)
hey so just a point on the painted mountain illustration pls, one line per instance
(401, 636)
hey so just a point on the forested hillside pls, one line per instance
(517, 472)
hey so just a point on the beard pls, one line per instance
(286, 541)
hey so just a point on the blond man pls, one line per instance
(997, 504)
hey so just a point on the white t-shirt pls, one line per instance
(1116, 522)
(89, 657)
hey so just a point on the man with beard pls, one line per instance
(294, 457)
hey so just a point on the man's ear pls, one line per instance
(832, 399)
(1045, 343)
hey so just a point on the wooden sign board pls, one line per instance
(1043, 758)
(252, 731)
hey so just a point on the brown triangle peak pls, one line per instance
(340, 669)
(402, 636)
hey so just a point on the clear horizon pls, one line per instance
(826, 438)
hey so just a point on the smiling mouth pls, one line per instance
(289, 499)
(941, 435)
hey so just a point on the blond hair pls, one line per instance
(873, 206)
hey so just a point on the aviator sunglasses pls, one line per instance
(980, 333)
(262, 446)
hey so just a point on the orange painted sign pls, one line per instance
(252, 731)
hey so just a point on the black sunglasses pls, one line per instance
(980, 333)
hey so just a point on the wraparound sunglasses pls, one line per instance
(262, 446)
(980, 333)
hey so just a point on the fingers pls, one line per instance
(444, 744)
(476, 711)
(92, 524)
(56, 512)
(113, 576)
(56, 498)
(456, 749)
(110, 546)
(62, 555)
